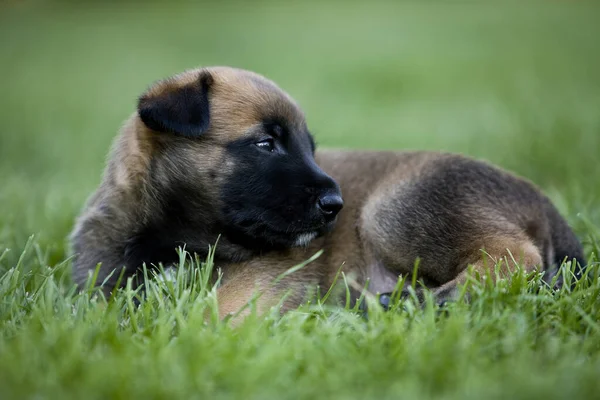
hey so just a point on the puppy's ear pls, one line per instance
(171, 107)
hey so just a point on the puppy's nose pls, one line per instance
(330, 205)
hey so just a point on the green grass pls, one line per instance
(514, 83)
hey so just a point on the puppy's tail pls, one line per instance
(566, 245)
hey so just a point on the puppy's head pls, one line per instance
(235, 150)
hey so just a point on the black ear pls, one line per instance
(172, 108)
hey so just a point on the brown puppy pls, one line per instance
(222, 151)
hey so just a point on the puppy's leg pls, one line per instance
(256, 284)
(235, 296)
(507, 253)
(447, 212)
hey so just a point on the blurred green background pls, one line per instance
(517, 83)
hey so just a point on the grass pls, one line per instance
(516, 84)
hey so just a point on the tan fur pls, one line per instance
(258, 280)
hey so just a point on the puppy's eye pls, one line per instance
(266, 144)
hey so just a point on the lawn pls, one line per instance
(514, 83)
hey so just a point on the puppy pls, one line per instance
(224, 153)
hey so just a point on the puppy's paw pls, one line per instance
(441, 296)
(385, 299)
